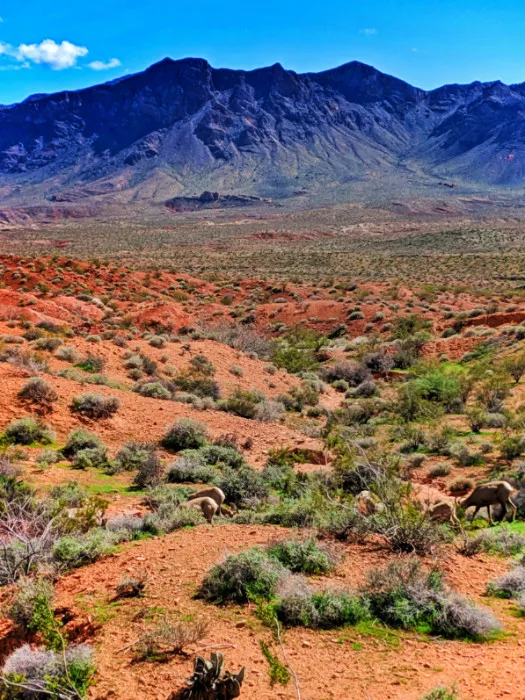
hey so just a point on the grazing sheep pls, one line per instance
(487, 495)
(443, 512)
(212, 492)
(206, 505)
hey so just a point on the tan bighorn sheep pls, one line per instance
(443, 512)
(212, 492)
(206, 505)
(487, 495)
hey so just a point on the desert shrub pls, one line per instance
(90, 457)
(405, 327)
(157, 341)
(67, 354)
(305, 557)
(191, 468)
(378, 362)
(79, 440)
(38, 392)
(30, 673)
(297, 352)
(512, 448)
(72, 551)
(95, 405)
(298, 606)
(159, 495)
(220, 455)
(510, 585)
(169, 518)
(149, 473)
(249, 575)
(31, 594)
(185, 434)
(504, 541)
(169, 637)
(133, 455)
(50, 344)
(70, 495)
(460, 484)
(476, 418)
(240, 485)
(26, 431)
(91, 364)
(404, 595)
(366, 389)
(353, 373)
(241, 403)
(268, 411)
(493, 392)
(126, 527)
(131, 587)
(153, 390)
(406, 527)
(46, 457)
(515, 366)
(197, 384)
(441, 693)
(439, 470)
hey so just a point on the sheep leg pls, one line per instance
(490, 515)
(504, 509)
(476, 510)
(513, 508)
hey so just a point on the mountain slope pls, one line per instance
(183, 126)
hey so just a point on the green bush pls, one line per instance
(404, 595)
(441, 693)
(323, 610)
(149, 472)
(170, 517)
(185, 434)
(26, 431)
(133, 455)
(82, 440)
(153, 390)
(191, 469)
(72, 551)
(305, 557)
(240, 485)
(249, 575)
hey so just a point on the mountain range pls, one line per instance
(181, 127)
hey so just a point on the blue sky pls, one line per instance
(64, 44)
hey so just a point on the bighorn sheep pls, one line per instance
(443, 512)
(487, 495)
(212, 492)
(206, 505)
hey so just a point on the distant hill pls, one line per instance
(181, 127)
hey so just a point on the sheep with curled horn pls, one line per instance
(490, 494)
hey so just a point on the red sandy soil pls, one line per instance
(333, 664)
(145, 419)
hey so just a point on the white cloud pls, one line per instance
(415, 50)
(368, 32)
(49, 53)
(100, 65)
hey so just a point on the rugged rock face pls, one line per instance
(213, 200)
(265, 132)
